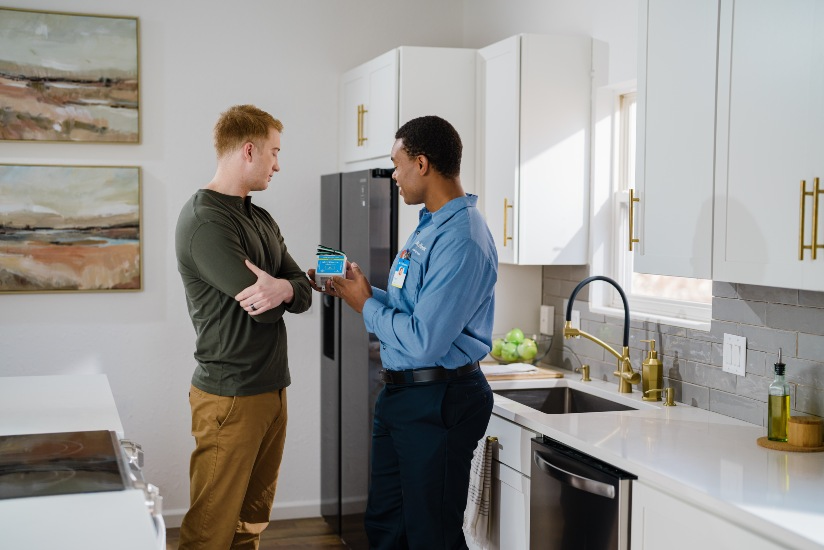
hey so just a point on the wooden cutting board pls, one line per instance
(534, 375)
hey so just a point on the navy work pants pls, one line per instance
(423, 439)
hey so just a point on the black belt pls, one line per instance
(426, 374)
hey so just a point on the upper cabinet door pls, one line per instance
(771, 69)
(675, 152)
(535, 119)
(501, 91)
(369, 108)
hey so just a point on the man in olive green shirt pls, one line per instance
(239, 280)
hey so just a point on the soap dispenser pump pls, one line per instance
(652, 375)
(778, 404)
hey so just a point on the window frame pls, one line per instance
(610, 231)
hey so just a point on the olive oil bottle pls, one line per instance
(779, 404)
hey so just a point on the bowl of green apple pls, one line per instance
(517, 347)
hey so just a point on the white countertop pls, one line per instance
(705, 458)
(60, 403)
(103, 520)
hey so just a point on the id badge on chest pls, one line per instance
(399, 276)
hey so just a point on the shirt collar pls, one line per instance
(445, 212)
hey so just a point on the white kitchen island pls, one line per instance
(89, 521)
(708, 464)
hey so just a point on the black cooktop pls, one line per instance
(60, 463)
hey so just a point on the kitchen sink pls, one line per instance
(562, 400)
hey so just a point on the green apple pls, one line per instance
(515, 336)
(509, 351)
(496, 347)
(528, 349)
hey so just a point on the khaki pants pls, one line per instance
(234, 468)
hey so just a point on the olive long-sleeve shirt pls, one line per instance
(236, 353)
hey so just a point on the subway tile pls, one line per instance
(803, 372)
(689, 394)
(801, 319)
(712, 377)
(810, 298)
(769, 294)
(674, 368)
(757, 363)
(809, 400)
(611, 334)
(719, 328)
(693, 350)
(585, 349)
(566, 288)
(739, 311)
(737, 406)
(754, 387)
(724, 290)
(551, 287)
(704, 335)
(769, 340)
(811, 346)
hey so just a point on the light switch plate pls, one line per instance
(735, 354)
(547, 320)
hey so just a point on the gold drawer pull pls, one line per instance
(815, 193)
(361, 137)
(632, 200)
(506, 207)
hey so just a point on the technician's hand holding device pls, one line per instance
(331, 263)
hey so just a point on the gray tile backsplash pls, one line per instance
(770, 318)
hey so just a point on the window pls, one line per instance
(671, 300)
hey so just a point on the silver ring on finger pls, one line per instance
(252, 307)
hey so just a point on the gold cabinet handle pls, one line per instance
(361, 137)
(814, 193)
(506, 207)
(632, 200)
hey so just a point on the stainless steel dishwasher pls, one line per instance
(576, 501)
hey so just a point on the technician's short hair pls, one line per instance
(240, 124)
(437, 140)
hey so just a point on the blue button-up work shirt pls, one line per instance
(443, 313)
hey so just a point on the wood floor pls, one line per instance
(301, 534)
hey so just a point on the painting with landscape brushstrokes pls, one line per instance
(69, 228)
(68, 77)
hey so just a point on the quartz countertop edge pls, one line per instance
(703, 458)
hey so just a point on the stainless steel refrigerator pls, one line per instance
(359, 217)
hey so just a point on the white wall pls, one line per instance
(197, 58)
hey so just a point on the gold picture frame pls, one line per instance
(69, 77)
(70, 228)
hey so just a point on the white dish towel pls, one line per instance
(477, 527)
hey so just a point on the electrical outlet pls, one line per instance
(547, 320)
(735, 354)
(576, 319)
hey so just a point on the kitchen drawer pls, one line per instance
(513, 443)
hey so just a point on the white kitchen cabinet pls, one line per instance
(369, 107)
(660, 520)
(535, 128)
(511, 467)
(675, 153)
(405, 83)
(770, 112)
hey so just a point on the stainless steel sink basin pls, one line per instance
(562, 400)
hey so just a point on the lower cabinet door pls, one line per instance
(510, 508)
(660, 520)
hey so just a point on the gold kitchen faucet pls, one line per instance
(626, 376)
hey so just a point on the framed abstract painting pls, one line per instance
(70, 228)
(68, 77)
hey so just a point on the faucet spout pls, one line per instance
(626, 375)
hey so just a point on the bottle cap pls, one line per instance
(779, 367)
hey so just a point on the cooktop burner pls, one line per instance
(60, 463)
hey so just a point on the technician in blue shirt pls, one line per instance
(434, 323)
